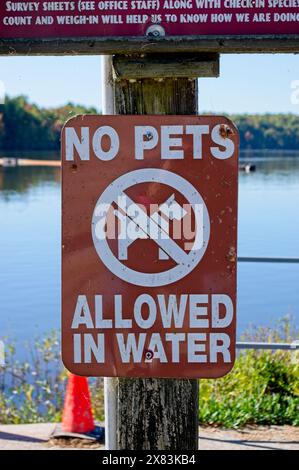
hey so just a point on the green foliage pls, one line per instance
(27, 127)
(97, 398)
(262, 388)
(268, 131)
(32, 391)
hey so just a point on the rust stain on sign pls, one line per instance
(149, 245)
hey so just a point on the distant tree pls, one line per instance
(25, 126)
(268, 131)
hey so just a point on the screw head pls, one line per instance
(155, 31)
(149, 355)
(149, 136)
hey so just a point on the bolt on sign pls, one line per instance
(145, 21)
(149, 245)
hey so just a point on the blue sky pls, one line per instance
(248, 83)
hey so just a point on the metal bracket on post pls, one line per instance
(109, 383)
(107, 85)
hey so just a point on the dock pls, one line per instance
(14, 162)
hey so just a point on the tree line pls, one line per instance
(28, 127)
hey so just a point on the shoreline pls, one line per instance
(9, 162)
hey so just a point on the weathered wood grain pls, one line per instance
(167, 65)
(128, 45)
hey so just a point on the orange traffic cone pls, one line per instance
(77, 418)
(77, 414)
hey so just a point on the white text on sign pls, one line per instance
(199, 311)
(106, 144)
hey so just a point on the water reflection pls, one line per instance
(29, 251)
(21, 179)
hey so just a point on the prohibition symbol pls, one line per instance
(150, 227)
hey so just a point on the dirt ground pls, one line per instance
(38, 437)
(250, 438)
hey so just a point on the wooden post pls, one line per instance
(158, 414)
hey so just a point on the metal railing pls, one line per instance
(258, 345)
(272, 346)
(262, 259)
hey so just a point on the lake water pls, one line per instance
(30, 246)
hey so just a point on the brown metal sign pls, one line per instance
(149, 234)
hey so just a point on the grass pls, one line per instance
(263, 387)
